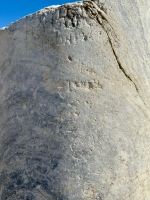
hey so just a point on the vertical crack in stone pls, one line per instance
(103, 20)
(119, 64)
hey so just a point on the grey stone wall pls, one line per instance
(74, 103)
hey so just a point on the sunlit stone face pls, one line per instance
(74, 103)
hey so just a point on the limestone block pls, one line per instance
(74, 103)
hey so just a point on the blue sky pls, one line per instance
(12, 10)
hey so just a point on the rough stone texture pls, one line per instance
(74, 103)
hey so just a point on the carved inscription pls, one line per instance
(86, 85)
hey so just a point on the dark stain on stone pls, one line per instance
(30, 197)
(85, 38)
(69, 58)
(41, 169)
(54, 165)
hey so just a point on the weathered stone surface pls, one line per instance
(74, 103)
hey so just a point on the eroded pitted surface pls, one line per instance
(74, 123)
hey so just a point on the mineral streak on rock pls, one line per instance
(74, 103)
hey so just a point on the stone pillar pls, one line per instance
(74, 103)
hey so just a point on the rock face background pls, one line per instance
(74, 103)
